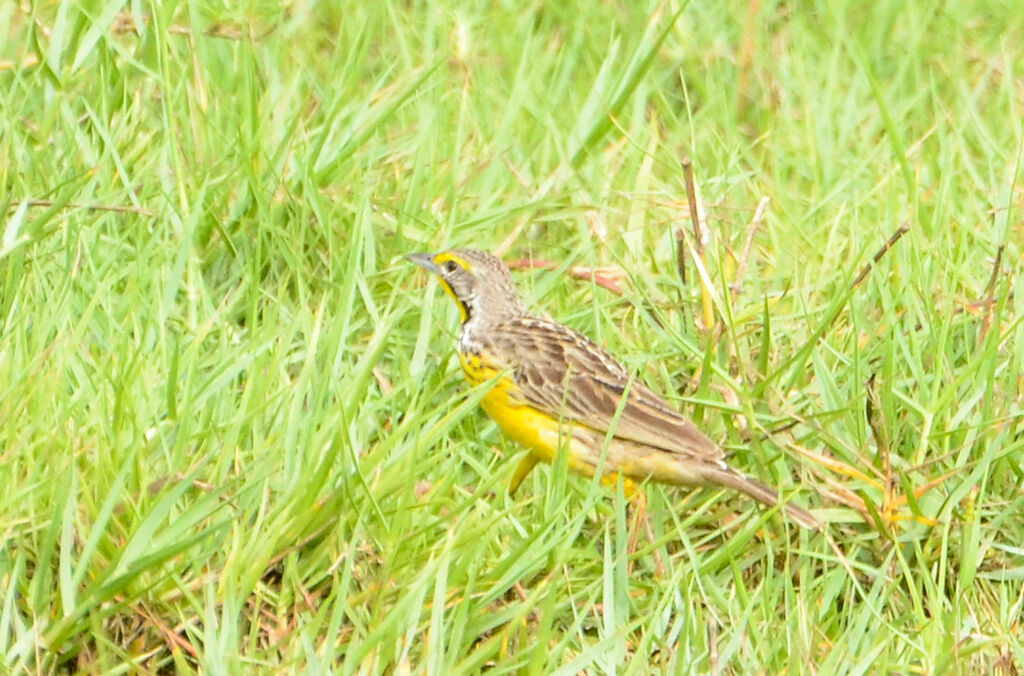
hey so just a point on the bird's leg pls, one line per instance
(524, 467)
(637, 504)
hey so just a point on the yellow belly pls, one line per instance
(521, 423)
(536, 431)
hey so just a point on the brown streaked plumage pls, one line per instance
(554, 387)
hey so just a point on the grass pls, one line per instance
(233, 435)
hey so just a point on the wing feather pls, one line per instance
(565, 374)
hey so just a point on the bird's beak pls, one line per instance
(424, 260)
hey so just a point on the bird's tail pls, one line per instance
(723, 475)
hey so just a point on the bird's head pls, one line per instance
(478, 282)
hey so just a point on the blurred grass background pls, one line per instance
(233, 436)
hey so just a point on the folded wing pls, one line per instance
(566, 375)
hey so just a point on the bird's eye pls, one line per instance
(450, 267)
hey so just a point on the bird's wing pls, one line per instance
(565, 374)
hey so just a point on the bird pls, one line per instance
(555, 388)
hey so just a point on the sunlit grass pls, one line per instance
(234, 436)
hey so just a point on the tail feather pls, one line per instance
(723, 475)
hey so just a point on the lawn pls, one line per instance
(234, 434)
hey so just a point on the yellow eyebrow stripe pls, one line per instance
(450, 256)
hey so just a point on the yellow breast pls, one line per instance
(518, 421)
